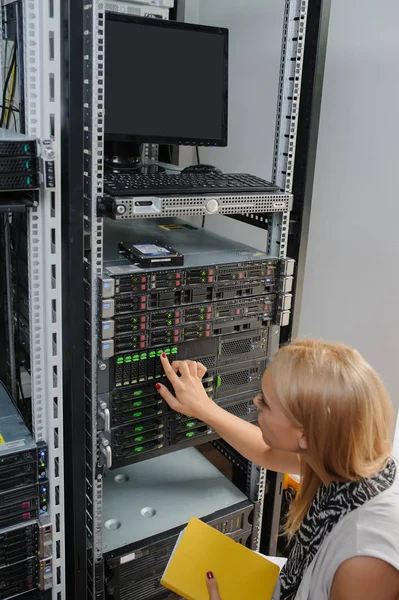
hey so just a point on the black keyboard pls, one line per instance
(128, 184)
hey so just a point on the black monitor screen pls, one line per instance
(165, 82)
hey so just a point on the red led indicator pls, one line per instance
(142, 326)
(178, 275)
(210, 272)
(144, 279)
(143, 319)
(177, 321)
(178, 283)
(240, 275)
(207, 326)
(209, 309)
(142, 338)
(143, 287)
(210, 279)
(238, 311)
(176, 339)
(142, 306)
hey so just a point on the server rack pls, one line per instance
(63, 98)
(38, 35)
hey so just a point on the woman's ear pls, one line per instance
(302, 442)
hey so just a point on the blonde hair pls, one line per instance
(341, 403)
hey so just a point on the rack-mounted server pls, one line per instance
(217, 309)
(141, 526)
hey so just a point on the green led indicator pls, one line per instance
(190, 424)
(138, 429)
(138, 403)
(169, 315)
(190, 434)
(202, 317)
(203, 273)
(218, 381)
(159, 352)
(136, 358)
(152, 354)
(202, 310)
(128, 359)
(169, 322)
(119, 361)
(167, 351)
(139, 449)
(138, 393)
(135, 320)
(137, 415)
(139, 439)
(143, 356)
(174, 350)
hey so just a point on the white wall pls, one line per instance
(255, 33)
(351, 284)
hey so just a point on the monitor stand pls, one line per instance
(122, 157)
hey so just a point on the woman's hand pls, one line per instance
(212, 585)
(190, 397)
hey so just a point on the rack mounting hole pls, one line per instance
(112, 524)
(122, 478)
(148, 512)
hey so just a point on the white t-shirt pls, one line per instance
(370, 530)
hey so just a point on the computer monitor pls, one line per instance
(166, 82)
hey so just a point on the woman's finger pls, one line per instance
(184, 369)
(168, 396)
(197, 369)
(212, 586)
(201, 370)
(169, 371)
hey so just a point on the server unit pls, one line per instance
(19, 162)
(147, 505)
(25, 540)
(217, 308)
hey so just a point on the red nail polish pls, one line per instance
(163, 355)
(210, 575)
(157, 386)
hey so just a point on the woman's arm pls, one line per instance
(191, 399)
(365, 578)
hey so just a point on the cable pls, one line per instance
(6, 84)
(11, 98)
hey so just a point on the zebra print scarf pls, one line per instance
(330, 504)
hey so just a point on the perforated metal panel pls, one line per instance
(197, 205)
(43, 120)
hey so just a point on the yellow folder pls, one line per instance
(241, 573)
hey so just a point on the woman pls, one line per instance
(325, 414)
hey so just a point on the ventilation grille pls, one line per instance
(22, 165)
(207, 361)
(234, 379)
(147, 589)
(16, 149)
(192, 206)
(155, 555)
(19, 182)
(236, 347)
(239, 410)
